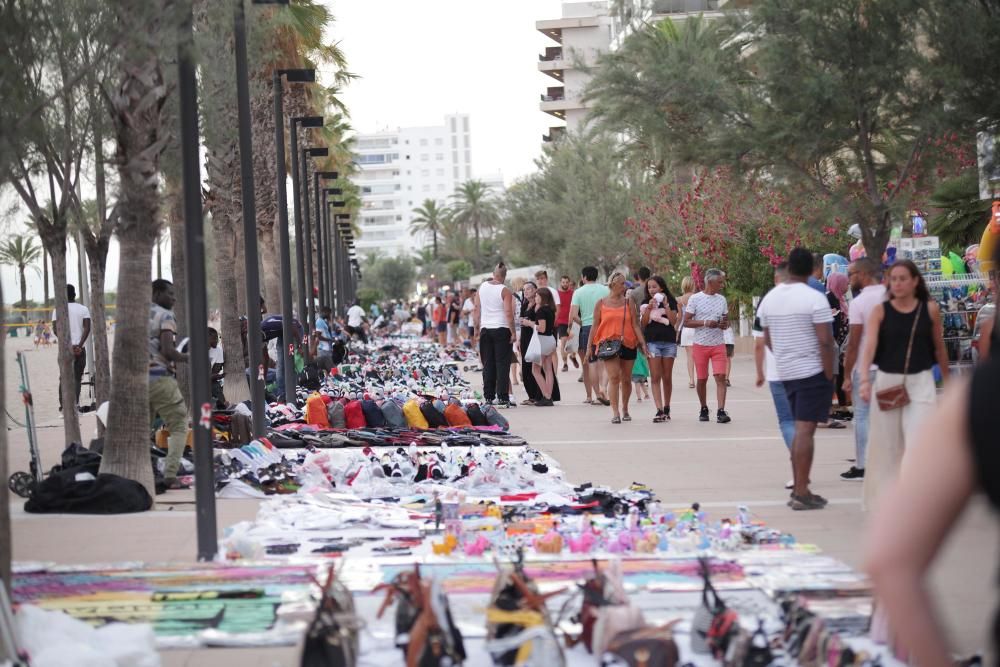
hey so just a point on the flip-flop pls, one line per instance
(616, 420)
(690, 385)
(588, 401)
(603, 401)
(626, 417)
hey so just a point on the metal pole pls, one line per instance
(330, 259)
(252, 275)
(307, 243)
(197, 303)
(323, 296)
(288, 339)
(300, 263)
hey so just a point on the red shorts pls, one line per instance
(703, 353)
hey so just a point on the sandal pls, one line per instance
(528, 401)
(565, 368)
(660, 417)
(603, 401)
(588, 401)
(576, 364)
(616, 420)
(690, 385)
(626, 417)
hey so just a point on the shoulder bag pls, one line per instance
(896, 397)
(612, 347)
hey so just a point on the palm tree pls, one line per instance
(136, 108)
(429, 218)
(474, 207)
(21, 252)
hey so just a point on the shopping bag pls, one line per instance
(534, 353)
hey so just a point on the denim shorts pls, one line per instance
(810, 398)
(662, 350)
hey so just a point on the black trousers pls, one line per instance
(79, 366)
(495, 350)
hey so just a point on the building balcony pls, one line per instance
(684, 6)
(553, 28)
(551, 53)
(553, 68)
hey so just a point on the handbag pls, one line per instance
(646, 647)
(533, 355)
(612, 347)
(332, 637)
(895, 397)
(714, 624)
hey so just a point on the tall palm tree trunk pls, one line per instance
(265, 168)
(137, 111)
(271, 267)
(5, 538)
(24, 289)
(67, 387)
(45, 277)
(99, 331)
(174, 201)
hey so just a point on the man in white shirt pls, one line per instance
(79, 331)
(767, 371)
(796, 321)
(216, 365)
(468, 306)
(708, 314)
(355, 322)
(865, 279)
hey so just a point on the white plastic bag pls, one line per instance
(534, 353)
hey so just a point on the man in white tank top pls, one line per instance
(493, 316)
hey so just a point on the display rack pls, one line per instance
(960, 299)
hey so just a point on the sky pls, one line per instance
(420, 60)
(417, 61)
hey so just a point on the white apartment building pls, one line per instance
(633, 13)
(580, 35)
(398, 170)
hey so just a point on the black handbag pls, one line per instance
(332, 637)
(612, 347)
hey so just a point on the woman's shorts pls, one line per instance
(628, 353)
(662, 350)
(442, 327)
(730, 350)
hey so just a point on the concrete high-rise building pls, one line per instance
(581, 35)
(398, 169)
(630, 14)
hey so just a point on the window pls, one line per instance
(439, 156)
(423, 142)
(440, 187)
(407, 157)
(440, 173)
(395, 172)
(423, 157)
(468, 157)
(455, 171)
(427, 187)
(454, 157)
(454, 127)
(454, 142)
(439, 141)
(465, 124)
(399, 218)
(425, 172)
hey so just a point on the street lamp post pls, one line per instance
(301, 240)
(197, 302)
(337, 259)
(252, 275)
(321, 258)
(342, 229)
(288, 346)
(307, 235)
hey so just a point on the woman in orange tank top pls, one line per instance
(615, 318)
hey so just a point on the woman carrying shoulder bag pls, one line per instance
(615, 336)
(908, 341)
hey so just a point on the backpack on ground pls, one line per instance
(494, 417)
(335, 415)
(476, 415)
(433, 416)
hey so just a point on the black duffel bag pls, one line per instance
(61, 493)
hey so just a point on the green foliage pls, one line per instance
(392, 277)
(369, 295)
(475, 210)
(430, 217)
(459, 270)
(572, 212)
(962, 214)
(833, 96)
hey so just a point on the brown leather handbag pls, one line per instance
(896, 397)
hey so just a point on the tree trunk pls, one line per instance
(237, 386)
(271, 266)
(137, 108)
(45, 277)
(6, 545)
(67, 387)
(240, 267)
(99, 332)
(24, 291)
(178, 269)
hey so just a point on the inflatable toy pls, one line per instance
(833, 263)
(989, 240)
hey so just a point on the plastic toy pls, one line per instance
(989, 241)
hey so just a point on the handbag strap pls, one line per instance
(625, 316)
(909, 346)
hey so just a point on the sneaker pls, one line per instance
(489, 401)
(722, 417)
(565, 368)
(660, 417)
(855, 474)
(666, 413)
(790, 484)
(703, 415)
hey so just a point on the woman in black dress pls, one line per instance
(527, 320)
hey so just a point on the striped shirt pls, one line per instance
(709, 308)
(789, 313)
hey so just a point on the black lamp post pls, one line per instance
(344, 239)
(301, 240)
(336, 285)
(287, 337)
(320, 239)
(307, 235)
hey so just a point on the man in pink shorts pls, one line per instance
(708, 314)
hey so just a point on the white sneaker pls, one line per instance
(790, 484)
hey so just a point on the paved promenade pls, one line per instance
(720, 466)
